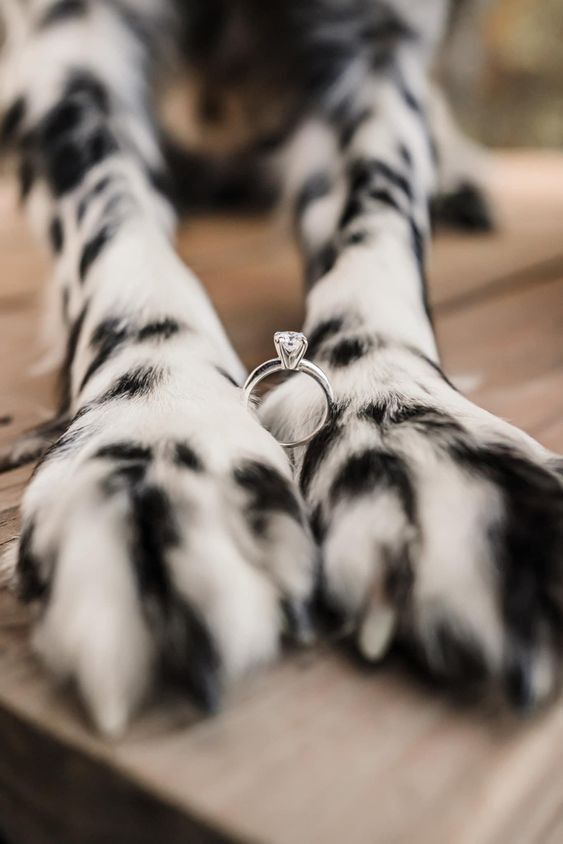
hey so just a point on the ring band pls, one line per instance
(291, 347)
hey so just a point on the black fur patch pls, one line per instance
(405, 154)
(352, 125)
(412, 413)
(321, 263)
(418, 245)
(417, 108)
(188, 650)
(386, 198)
(108, 336)
(375, 412)
(353, 209)
(65, 377)
(31, 586)
(420, 413)
(68, 161)
(412, 101)
(161, 329)
(185, 456)
(466, 208)
(70, 436)
(316, 187)
(94, 247)
(429, 418)
(529, 549)
(192, 657)
(367, 174)
(356, 238)
(113, 333)
(269, 492)
(62, 119)
(56, 235)
(456, 658)
(161, 182)
(419, 249)
(125, 450)
(348, 351)
(370, 181)
(298, 625)
(63, 10)
(322, 332)
(66, 142)
(318, 526)
(370, 470)
(135, 384)
(423, 416)
(26, 176)
(12, 122)
(126, 474)
(320, 447)
(518, 681)
(110, 332)
(399, 576)
(156, 532)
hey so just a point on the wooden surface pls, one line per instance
(312, 750)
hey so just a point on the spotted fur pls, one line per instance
(163, 532)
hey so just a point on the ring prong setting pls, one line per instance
(290, 347)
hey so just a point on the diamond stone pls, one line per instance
(291, 347)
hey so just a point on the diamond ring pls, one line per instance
(291, 347)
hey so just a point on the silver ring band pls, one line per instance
(291, 347)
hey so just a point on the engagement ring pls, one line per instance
(291, 347)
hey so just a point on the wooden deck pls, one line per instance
(314, 750)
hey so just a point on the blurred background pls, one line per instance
(504, 70)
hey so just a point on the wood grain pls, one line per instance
(313, 749)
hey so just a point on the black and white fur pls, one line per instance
(164, 529)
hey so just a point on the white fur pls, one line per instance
(94, 629)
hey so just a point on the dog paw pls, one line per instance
(162, 534)
(440, 525)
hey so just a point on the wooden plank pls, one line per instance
(313, 749)
(527, 192)
(49, 793)
(511, 346)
